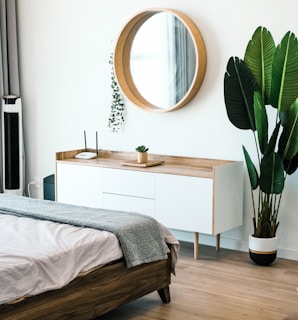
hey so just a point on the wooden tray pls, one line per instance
(149, 163)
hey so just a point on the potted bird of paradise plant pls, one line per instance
(266, 80)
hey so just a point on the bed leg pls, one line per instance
(164, 294)
(218, 242)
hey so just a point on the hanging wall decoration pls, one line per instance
(116, 118)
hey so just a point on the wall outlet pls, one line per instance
(37, 182)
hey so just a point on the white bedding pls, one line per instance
(37, 255)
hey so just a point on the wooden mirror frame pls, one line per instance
(122, 60)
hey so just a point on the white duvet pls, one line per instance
(37, 256)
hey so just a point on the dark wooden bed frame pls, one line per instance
(94, 294)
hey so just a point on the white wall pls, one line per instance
(65, 83)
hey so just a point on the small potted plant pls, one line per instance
(142, 154)
(267, 79)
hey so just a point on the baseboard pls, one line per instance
(232, 244)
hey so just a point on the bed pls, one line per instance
(101, 281)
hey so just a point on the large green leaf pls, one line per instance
(272, 174)
(284, 83)
(291, 165)
(273, 140)
(261, 121)
(288, 142)
(258, 56)
(239, 87)
(251, 169)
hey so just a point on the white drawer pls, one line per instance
(128, 203)
(129, 183)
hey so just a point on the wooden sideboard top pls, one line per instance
(177, 165)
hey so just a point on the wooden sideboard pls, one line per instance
(183, 193)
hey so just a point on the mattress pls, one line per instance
(38, 255)
(140, 236)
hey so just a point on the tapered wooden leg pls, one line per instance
(196, 245)
(218, 242)
(164, 294)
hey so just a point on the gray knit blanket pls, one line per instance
(141, 237)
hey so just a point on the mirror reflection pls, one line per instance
(163, 60)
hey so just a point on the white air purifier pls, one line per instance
(13, 146)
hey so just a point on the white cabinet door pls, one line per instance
(79, 185)
(184, 203)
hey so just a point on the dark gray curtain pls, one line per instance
(185, 59)
(9, 70)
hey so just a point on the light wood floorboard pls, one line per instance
(222, 285)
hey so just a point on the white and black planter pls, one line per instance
(262, 251)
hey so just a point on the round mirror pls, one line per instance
(160, 60)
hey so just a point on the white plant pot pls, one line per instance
(262, 250)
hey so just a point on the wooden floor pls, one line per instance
(223, 285)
